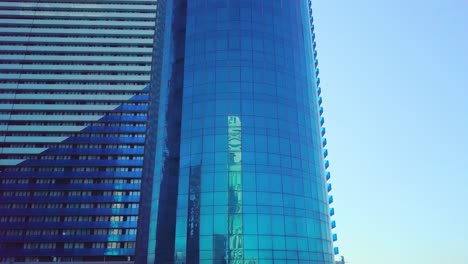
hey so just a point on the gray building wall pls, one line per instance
(74, 89)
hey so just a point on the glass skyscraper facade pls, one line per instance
(237, 169)
(162, 131)
(74, 81)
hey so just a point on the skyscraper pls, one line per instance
(74, 81)
(237, 163)
(210, 109)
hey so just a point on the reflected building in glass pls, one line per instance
(74, 90)
(234, 170)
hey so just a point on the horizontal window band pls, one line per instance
(82, 41)
(101, 59)
(79, 163)
(67, 118)
(74, 224)
(80, 7)
(41, 128)
(73, 174)
(92, 46)
(78, 23)
(77, 12)
(21, 108)
(75, 77)
(72, 97)
(50, 49)
(39, 32)
(63, 128)
(68, 238)
(70, 187)
(77, 15)
(75, 151)
(77, 140)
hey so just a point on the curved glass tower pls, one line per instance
(236, 173)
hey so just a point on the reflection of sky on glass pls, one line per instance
(395, 88)
(111, 252)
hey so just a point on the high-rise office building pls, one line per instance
(238, 170)
(162, 131)
(74, 81)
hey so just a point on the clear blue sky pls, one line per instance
(395, 86)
